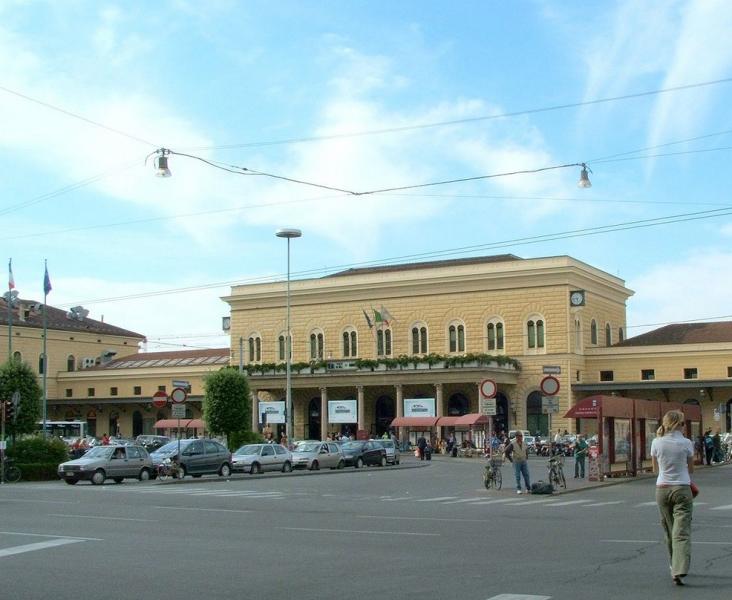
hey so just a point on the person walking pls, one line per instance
(672, 456)
(580, 452)
(421, 445)
(517, 453)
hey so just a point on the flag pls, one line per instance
(386, 315)
(368, 321)
(46, 282)
(378, 319)
(11, 281)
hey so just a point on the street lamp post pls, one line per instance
(290, 421)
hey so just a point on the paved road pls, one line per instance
(429, 532)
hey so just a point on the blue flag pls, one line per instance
(46, 282)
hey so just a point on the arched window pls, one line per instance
(577, 335)
(494, 335)
(255, 348)
(350, 343)
(41, 363)
(419, 339)
(70, 362)
(593, 332)
(281, 341)
(383, 342)
(608, 335)
(535, 333)
(17, 356)
(316, 345)
(456, 337)
(621, 334)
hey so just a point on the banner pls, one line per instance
(274, 412)
(342, 411)
(419, 407)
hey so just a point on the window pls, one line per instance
(578, 375)
(606, 375)
(419, 339)
(621, 334)
(383, 342)
(17, 356)
(113, 391)
(648, 374)
(90, 392)
(691, 373)
(593, 332)
(255, 348)
(316, 345)
(69, 393)
(281, 347)
(608, 335)
(495, 335)
(161, 388)
(41, 364)
(70, 362)
(577, 335)
(137, 390)
(535, 333)
(729, 371)
(456, 337)
(267, 450)
(350, 343)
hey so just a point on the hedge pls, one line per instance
(38, 471)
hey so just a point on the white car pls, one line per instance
(257, 458)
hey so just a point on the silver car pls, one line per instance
(393, 456)
(108, 462)
(257, 458)
(316, 455)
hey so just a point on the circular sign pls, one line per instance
(549, 385)
(160, 399)
(178, 395)
(488, 388)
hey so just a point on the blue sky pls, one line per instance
(222, 80)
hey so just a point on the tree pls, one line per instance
(18, 376)
(227, 406)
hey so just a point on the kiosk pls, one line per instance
(647, 418)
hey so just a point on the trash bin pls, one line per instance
(428, 453)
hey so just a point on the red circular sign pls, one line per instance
(178, 395)
(549, 385)
(488, 388)
(160, 399)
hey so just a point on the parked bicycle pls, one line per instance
(492, 476)
(170, 468)
(11, 473)
(555, 468)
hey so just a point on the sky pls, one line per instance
(360, 96)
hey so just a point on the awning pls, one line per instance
(184, 424)
(588, 408)
(416, 422)
(472, 419)
(447, 421)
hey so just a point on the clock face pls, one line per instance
(577, 298)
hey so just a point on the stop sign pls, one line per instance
(160, 399)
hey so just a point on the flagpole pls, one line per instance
(10, 309)
(45, 353)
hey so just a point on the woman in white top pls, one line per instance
(673, 460)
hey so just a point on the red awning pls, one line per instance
(588, 408)
(416, 422)
(472, 419)
(447, 421)
(184, 424)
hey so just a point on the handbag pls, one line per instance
(694, 490)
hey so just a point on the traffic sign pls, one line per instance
(178, 411)
(178, 395)
(488, 389)
(488, 407)
(160, 399)
(549, 405)
(549, 385)
(182, 383)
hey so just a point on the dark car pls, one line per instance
(359, 454)
(152, 442)
(197, 457)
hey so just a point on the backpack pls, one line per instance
(541, 488)
(708, 442)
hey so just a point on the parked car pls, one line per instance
(197, 457)
(393, 456)
(314, 455)
(362, 453)
(257, 458)
(152, 442)
(108, 462)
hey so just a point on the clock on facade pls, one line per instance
(577, 298)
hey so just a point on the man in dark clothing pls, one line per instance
(421, 445)
(708, 446)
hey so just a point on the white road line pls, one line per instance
(464, 500)
(527, 502)
(46, 535)
(725, 507)
(104, 518)
(440, 499)
(518, 597)
(604, 503)
(400, 498)
(24, 500)
(224, 510)
(645, 504)
(38, 546)
(658, 542)
(448, 519)
(399, 533)
(568, 502)
(500, 501)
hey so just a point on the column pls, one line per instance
(254, 395)
(438, 400)
(361, 406)
(323, 413)
(400, 409)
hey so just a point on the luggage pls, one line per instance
(428, 453)
(541, 487)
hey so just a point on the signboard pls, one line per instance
(593, 466)
(341, 365)
(488, 407)
(178, 411)
(342, 411)
(160, 399)
(717, 416)
(419, 407)
(274, 412)
(178, 395)
(551, 370)
(182, 383)
(488, 389)
(549, 404)
(549, 385)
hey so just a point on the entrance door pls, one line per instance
(458, 405)
(385, 413)
(136, 423)
(535, 420)
(314, 419)
(500, 420)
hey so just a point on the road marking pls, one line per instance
(225, 510)
(568, 502)
(604, 503)
(725, 507)
(46, 535)
(38, 546)
(518, 597)
(527, 502)
(39, 501)
(105, 518)
(501, 501)
(646, 504)
(464, 500)
(400, 533)
(453, 520)
(440, 499)
(658, 542)
(396, 499)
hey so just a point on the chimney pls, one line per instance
(21, 312)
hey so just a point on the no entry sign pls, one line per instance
(549, 385)
(159, 399)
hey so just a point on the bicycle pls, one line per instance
(169, 468)
(11, 473)
(555, 468)
(492, 476)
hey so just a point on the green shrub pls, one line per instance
(39, 450)
(237, 439)
(45, 471)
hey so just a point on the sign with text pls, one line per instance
(551, 370)
(274, 412)
(488, 407)
(342, 411)
(178, 411)
(549, 404)
(419, 407)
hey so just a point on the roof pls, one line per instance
(416, 422)
(184, 358)
(683, 333)
(57, 319)
(182, 423)
(433, 264)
